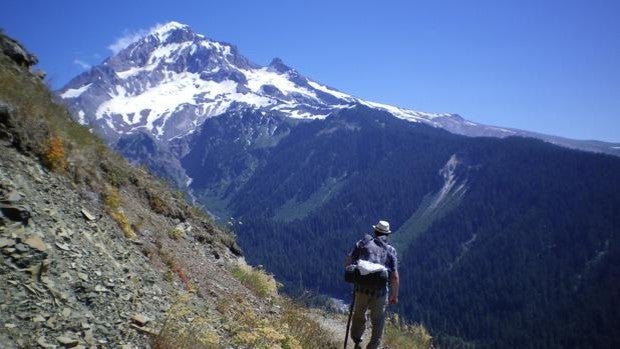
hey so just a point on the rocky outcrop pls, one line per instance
(14, 50)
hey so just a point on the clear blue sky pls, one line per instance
(550, 66)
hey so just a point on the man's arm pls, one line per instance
(394, 283)
(348, 260)
(352, 256)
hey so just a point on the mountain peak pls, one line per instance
(167, 27)
(278, 65)
(164, 31)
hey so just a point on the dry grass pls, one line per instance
(123, 222)
(157, 204)
(115, 168)
(307, 332)
(247, 329)
(111, 198)
(175, 233)
(401, 335)
(54, 156)
(186, 328)
(112, 201)
(261, 283)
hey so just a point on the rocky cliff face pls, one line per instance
(16, 52)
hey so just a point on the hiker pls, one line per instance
(373, 296)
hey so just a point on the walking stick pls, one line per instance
(346, 336)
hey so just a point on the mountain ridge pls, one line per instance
(200, 78)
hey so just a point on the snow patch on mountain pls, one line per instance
(451, 186)
(257, 78)
(166, 97)
(133, 71)
(167, 52)
(297, 114)
(75, 92)
(163, 31)
(410, 115)
(332, 92)
(81, 118)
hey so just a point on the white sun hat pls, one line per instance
(383, 227)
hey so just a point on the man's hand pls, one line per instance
(393, 298)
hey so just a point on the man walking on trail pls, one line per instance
(375, 250)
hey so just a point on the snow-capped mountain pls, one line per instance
(168, 82)
(171, 80)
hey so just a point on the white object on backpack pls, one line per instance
(366, 267)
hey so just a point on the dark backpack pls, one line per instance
(374, 250)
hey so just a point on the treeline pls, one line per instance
(543, 270)
(527, 258)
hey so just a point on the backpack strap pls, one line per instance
(372, 239)
(384, 249)
(367, 239)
